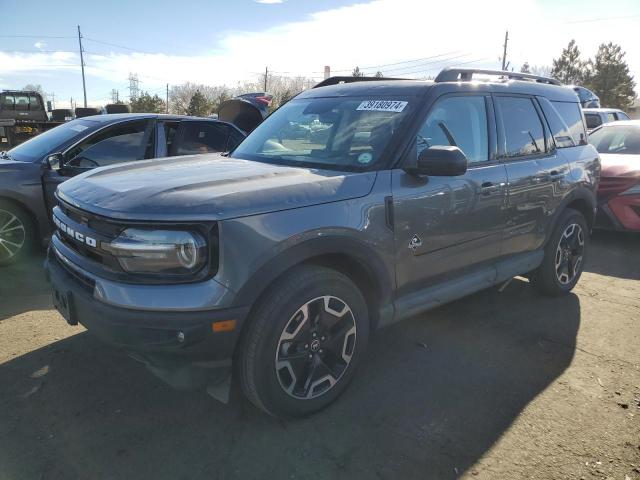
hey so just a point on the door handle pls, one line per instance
(489, 188)
(556, 175)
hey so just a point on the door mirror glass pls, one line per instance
(54, 161)
(441, 161)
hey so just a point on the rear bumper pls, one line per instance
(178, 346)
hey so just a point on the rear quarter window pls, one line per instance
(559, 129)
(593, 120)
(571, 114)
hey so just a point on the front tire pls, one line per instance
(564, 256)
(303, 342)
(17, 235)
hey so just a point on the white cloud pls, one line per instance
(39, 45)
(381, 32)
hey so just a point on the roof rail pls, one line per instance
(336, 80)
(466, 74)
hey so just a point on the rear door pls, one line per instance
(536, 173)
(446, 225)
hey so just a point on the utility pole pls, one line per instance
(504, 54)
(134, 86)
(53, 100)
(167, 103)
(84, 86)
(266, 75)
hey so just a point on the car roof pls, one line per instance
(622, 123)
(420, 87)
(601, 110)
(112, 117)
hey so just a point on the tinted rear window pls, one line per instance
(571, 113)
(522, 127)
(593, 120)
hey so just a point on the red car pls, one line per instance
(619, 191)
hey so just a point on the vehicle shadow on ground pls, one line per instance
(432, 395)
(615, 254)
(23, 287)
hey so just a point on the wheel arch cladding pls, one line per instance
(582, 201)
(351, 257)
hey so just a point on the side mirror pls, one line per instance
(440, 161)
(55, 161)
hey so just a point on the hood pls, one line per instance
(620, 165)
(246, 111)
(207, 187)
(10, 165)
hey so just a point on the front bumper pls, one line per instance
(621, 212)
(178, 346)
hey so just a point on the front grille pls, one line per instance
(89, 226)
(612, 186)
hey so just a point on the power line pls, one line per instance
(120, 46)
(397, 63)
(603, 19)
(34, 36)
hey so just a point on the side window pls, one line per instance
(34, 103)
(235, 138)
(623, 116)
(559, 129)
(457, 121)
(571, 113)
(7, 101)
(524, 134)
(611, 117)
(593, 120)
(201, 137)
(170, 131)
(120, 143)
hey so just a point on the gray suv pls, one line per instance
(276, 262)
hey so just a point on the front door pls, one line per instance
(445, 226)
(122, 142)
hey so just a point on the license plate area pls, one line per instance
(64, 304)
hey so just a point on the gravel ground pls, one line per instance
(500, 385)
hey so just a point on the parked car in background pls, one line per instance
(588, 99)
(279, 259)
(23, 116)
(31, 172)
(619, 191)
(598, 116)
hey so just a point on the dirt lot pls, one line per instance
(496, 386)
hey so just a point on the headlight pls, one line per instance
(158, 251)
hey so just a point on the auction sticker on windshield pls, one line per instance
(382, 106)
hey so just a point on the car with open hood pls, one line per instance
(31, 171)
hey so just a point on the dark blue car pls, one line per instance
(31, 172)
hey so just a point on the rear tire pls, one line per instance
(564, 256)
(17, 235)
(303, 342)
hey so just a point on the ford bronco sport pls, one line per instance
(277, 261)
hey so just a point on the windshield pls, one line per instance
(348, 133)
(617, 139)
(35, 149)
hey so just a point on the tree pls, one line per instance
(180, 96)
(145, 103)
(35, 88)
(378, 74)
(569, 68)
(610, 79)
(199, 106)
(357, 73)
(525, 68)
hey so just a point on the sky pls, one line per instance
(231, 42)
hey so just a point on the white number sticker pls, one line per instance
(382, 106)
(78, 128)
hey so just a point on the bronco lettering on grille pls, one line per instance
(80, 237)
